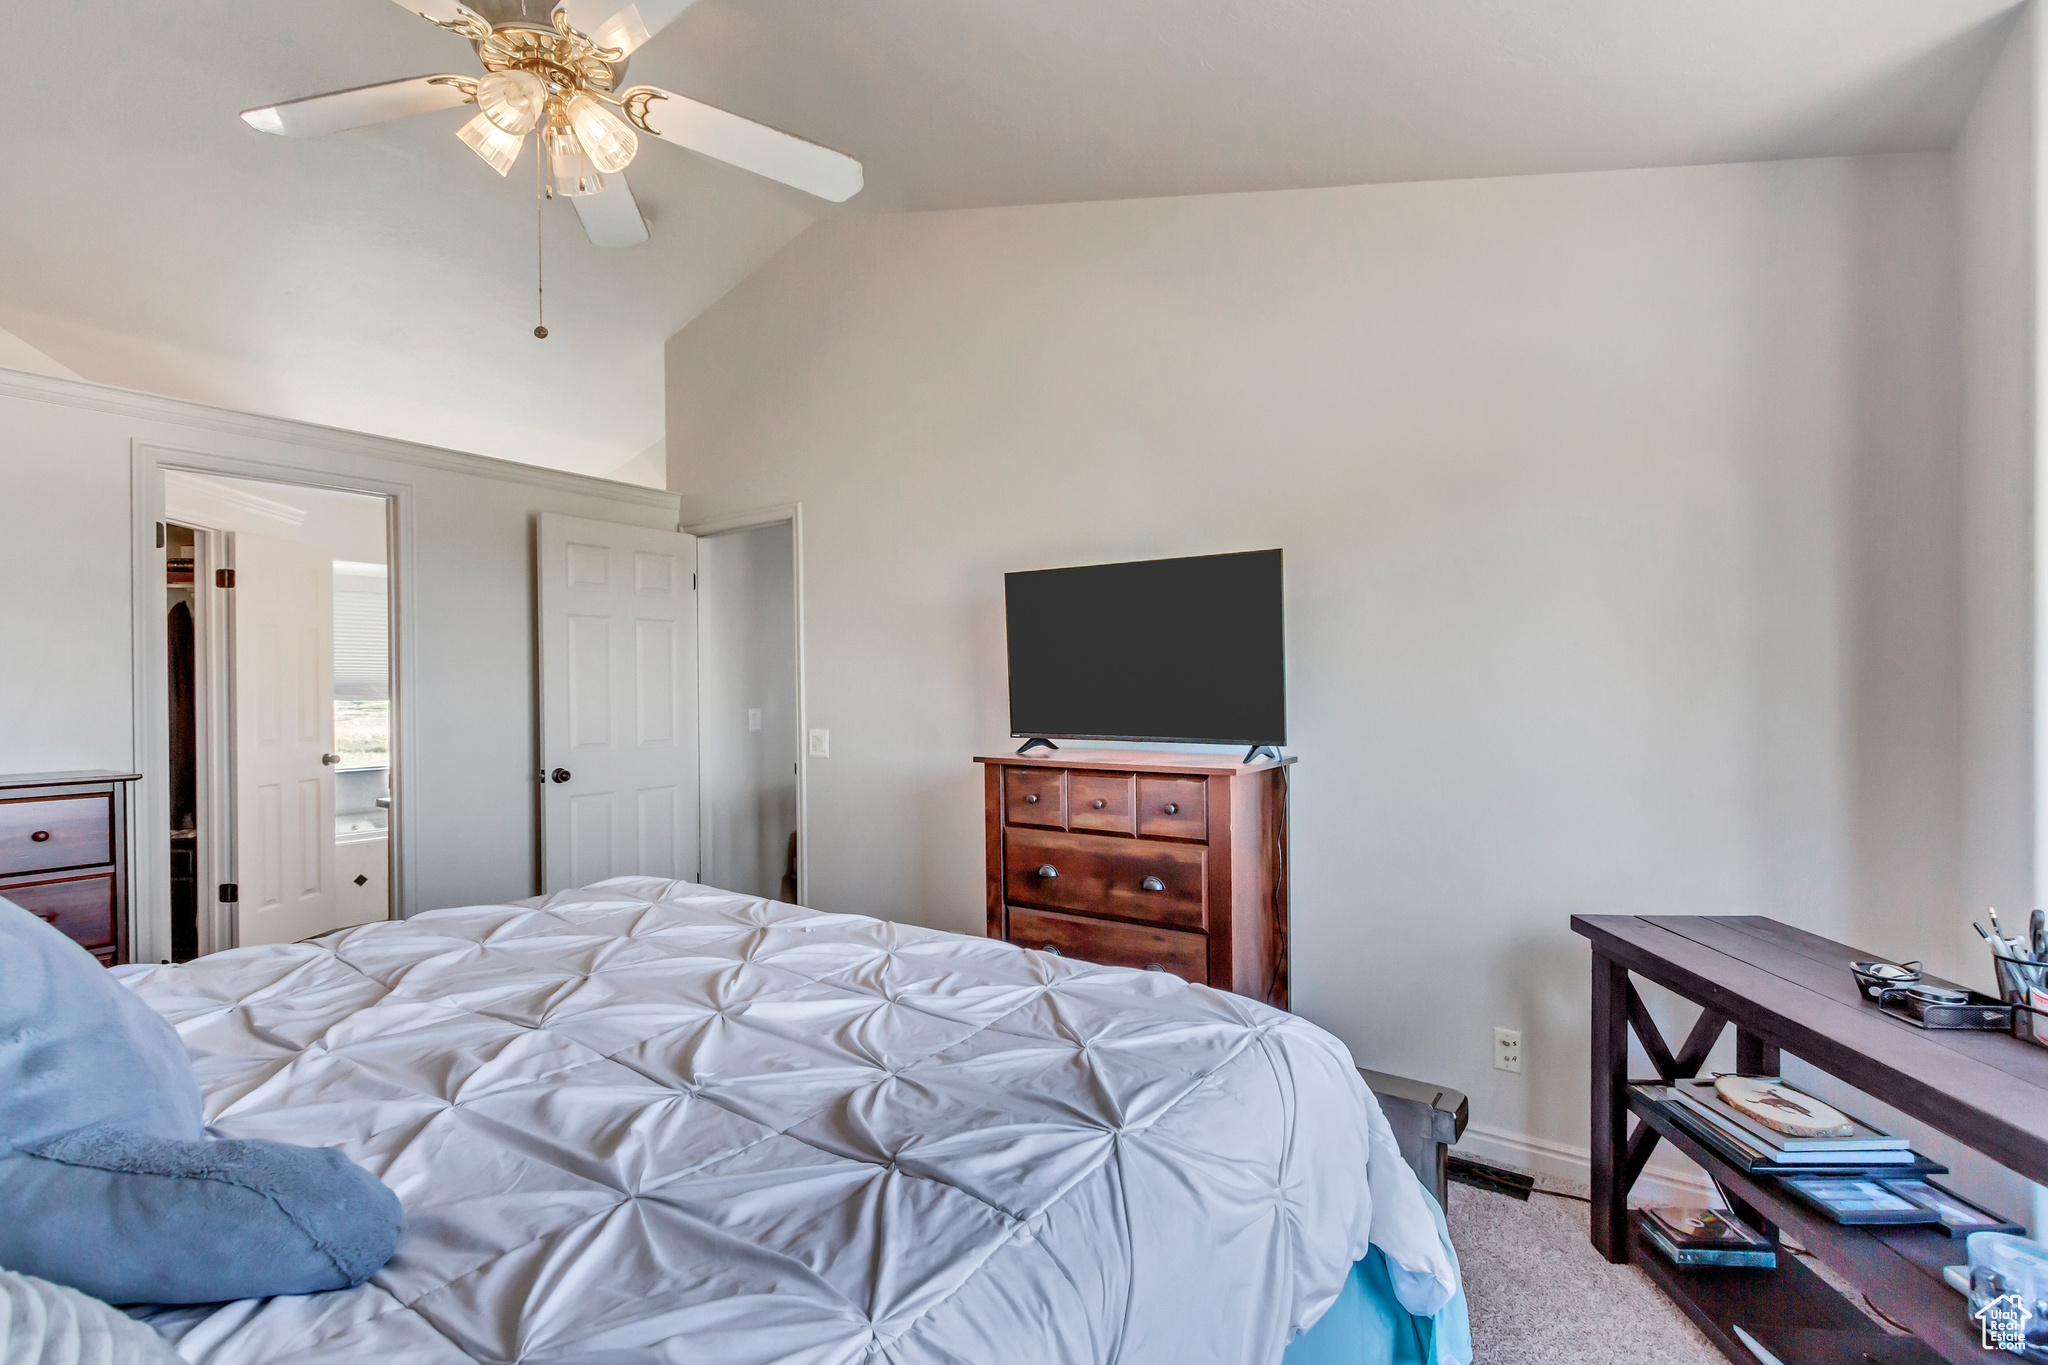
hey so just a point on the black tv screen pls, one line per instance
(1186, 650)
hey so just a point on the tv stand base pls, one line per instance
(1257, 749)
(1034, 742)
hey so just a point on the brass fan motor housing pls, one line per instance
(534, 36)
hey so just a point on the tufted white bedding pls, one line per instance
(650, 1121)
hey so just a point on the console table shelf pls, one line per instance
(1784, 990)
(1897, 1268)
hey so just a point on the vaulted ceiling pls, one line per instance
(384, 279)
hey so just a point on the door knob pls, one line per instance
(329, 760)
(560, 775)
(1048, 870)
(1153, 884)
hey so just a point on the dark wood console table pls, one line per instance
(1788, 991)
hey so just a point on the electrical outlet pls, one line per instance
(1507, 1049)
(753, 718)
(821, 744)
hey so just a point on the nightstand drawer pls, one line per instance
(48, 833)
(1035, 796)
(83, 907)
(1100, 875)
(1111, 944)
(1173, 808)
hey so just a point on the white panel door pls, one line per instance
(283, 689)
(618, 702)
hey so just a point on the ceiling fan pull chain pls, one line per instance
(540, 278)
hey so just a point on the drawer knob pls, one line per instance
(1153, 884)
(1048, 948)
(1048, 870)
(1172, 809)
(1100, 803)
(41, 836)
(1031, 800)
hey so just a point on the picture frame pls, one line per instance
(1958, 1216)
(1856, 1200)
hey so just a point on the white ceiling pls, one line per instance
(983, 102)
(383, 279)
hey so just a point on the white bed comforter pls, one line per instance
(650, 1121)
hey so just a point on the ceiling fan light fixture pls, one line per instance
(513, 100)
(607, 140)
(570, 171)
(498, 148)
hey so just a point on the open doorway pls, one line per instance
(749, 716)
(277, 635)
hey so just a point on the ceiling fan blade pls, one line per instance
(449, 14)
(358, 108)
(623, 24)
(611, 216)
(744, 143)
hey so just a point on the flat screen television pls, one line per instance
(1181, 650)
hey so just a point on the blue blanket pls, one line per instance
(1368, 1326)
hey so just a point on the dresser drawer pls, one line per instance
(1096, 874)
(1112, 944)
(1173, 807)
(1035, 796)
(1100, 801)
(47, 833)
(83, 907)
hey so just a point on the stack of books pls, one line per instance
(1757, 1148)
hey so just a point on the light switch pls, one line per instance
(753, 718)
(821, 744)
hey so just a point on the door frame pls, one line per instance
(149, 909)
(214, 754)
(793, 513)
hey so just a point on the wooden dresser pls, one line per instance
(1167, 860)
(64, 854)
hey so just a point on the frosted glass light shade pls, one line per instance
(607, 139)
(570, 172)
(513, 100)
(498, 148)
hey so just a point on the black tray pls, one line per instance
(1981, 1012)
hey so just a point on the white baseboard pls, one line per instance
(1565, 1169)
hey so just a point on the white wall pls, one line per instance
(73, 557)
(747, 662)
(1620, 514)
(1996, 186)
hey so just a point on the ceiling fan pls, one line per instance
(556, 70)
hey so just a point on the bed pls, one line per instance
(651, 1121)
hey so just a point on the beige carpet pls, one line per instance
(1540, 1295)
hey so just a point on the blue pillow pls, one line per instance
(109, 1181)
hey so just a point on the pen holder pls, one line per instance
(2025, 984)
